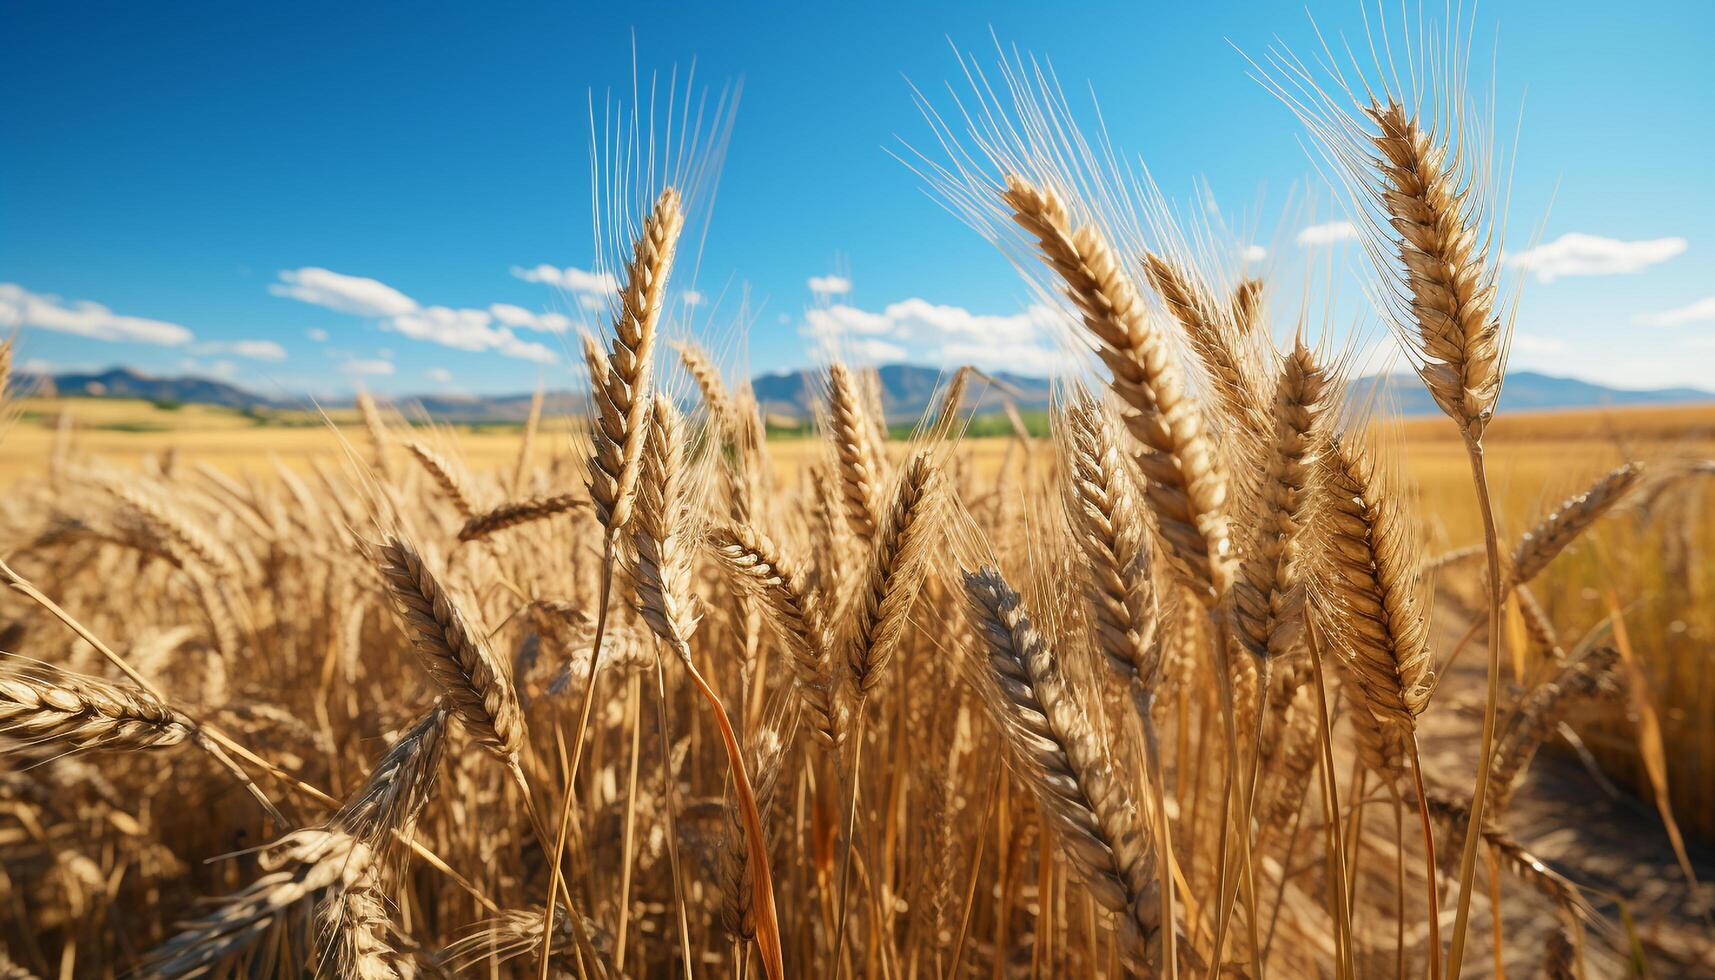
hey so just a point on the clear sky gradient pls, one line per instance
(177, 180)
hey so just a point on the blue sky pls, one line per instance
(310, 197)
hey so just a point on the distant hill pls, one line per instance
(1528, 391)
(122, 382)
(907, 390)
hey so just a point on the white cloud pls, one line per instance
(367, 367)
(871, 349)
(1701, 311)
(260, 350)
(1578, 254)
(439, 375)
(945, 334)
(593, 303)
(569, 278)
(461, 329)
(21, 308)
(347, 294)
(693, 298)
(830, 285)
(526, 350)
(1253, 253)
(1328, 234)
(1529, 343)
(464, 329)
(518, 316)
(317, 334)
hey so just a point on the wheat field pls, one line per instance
(1229, 674)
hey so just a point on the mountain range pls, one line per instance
(906, 391)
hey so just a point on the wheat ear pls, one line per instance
(357, 934)
(456, 656)
(399, 785)
(183, 534)
(622, 391)
(848, 428)
(898, 560)
(1185, 485)
(301, 868)
(1238, 392)
(1594, 676)
(1562, 525)
(1267, 597)
(1109, 522)
(1369, 585)
(660, 561)
(660, 568)
(518, 932)
(1455, 815)
(1107, 516)
(440, 470)
(85, 713)
(738, 890)
(708, 378)
(572, 633)
(1062, 757)
(479, 526)
(378, 437)
(794, 612)
(1245, 307)
(1371, 605)
(1448, 292)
